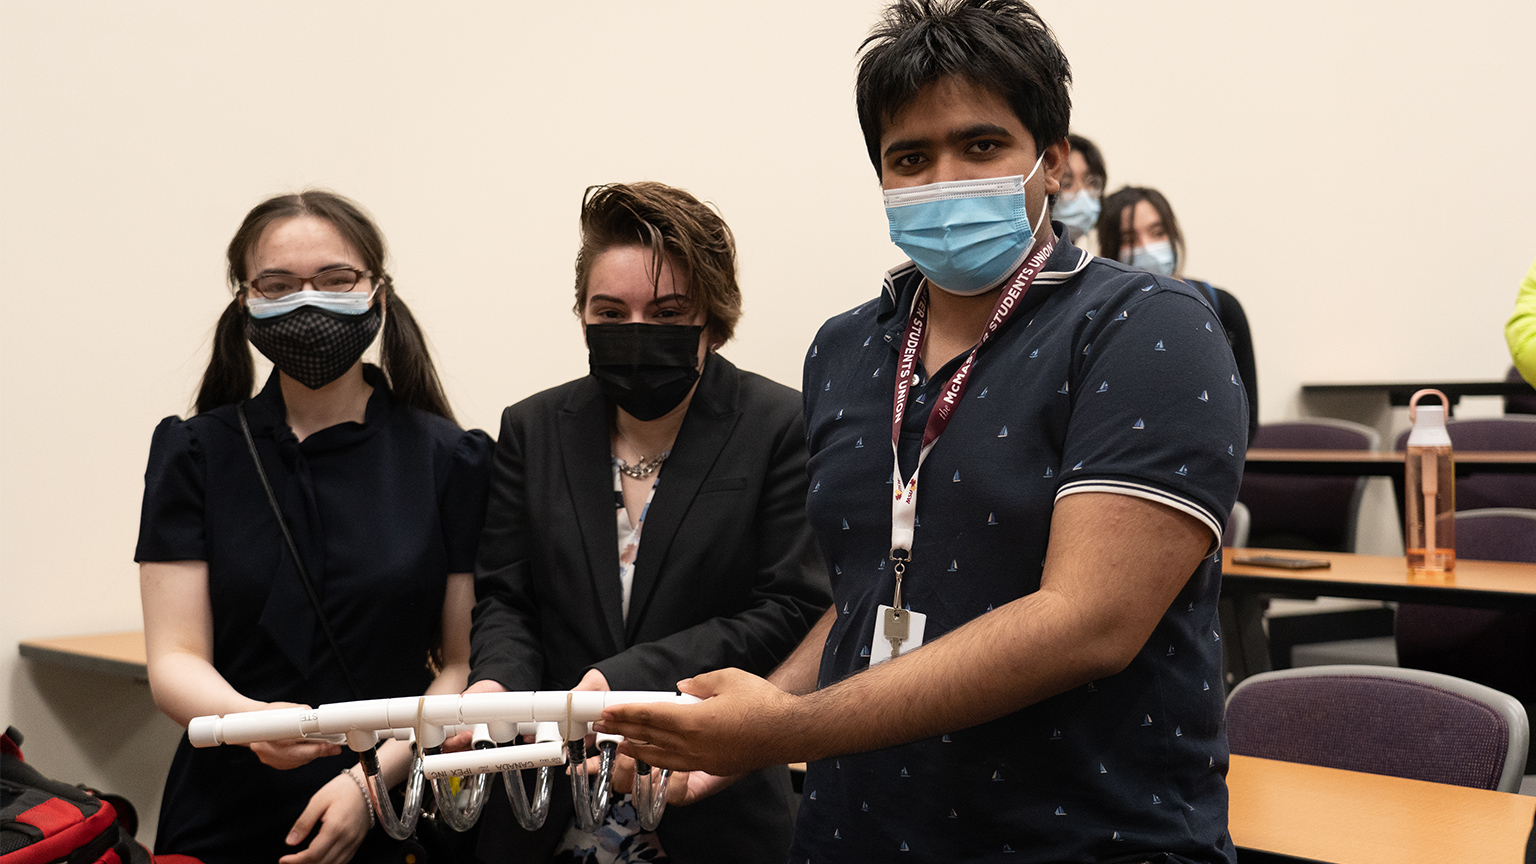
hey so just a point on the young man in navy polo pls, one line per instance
(1043, 680)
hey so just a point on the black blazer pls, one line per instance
(728, 574)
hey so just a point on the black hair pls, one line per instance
(1127, 197)
(1092, 156)
(231, 373)
(999, 45)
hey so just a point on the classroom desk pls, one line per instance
(1288, 811)
(1480, 584)
(1380, 463)
(1398, 393)
(104, 653)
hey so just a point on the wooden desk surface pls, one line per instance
(1387, 463)
(1352, 818)
(1486, 584)
(1399, 392)
(105, 653)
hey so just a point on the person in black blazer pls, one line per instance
(647, 522)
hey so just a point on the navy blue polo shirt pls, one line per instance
(1107, 379)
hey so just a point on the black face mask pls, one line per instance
(646, 369)
(314, 346)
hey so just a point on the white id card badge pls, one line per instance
(895, 634)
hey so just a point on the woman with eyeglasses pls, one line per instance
(1082, 185)
(369, 593)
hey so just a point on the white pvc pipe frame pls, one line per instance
(552, 717)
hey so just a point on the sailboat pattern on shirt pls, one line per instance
(1124, 418)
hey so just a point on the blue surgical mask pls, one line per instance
(1157, 257)
(1079, 213)
(966, 236)
(342, 303)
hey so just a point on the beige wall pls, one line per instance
(1359, 174)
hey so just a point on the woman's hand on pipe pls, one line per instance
(342, 814)
(293, 752)
(593, 681)
(462, 740)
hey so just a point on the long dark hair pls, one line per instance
(1111, 238)
(231, 373)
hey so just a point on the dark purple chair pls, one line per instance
(1481, 491)
(1319, 513)
(1381, 720)
(1489, 646)
(1306, 512)
(1525, 403)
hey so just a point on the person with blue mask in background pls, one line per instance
(1021, 457)
(1082, 186)
(1137, 227)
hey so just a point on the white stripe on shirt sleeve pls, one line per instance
(1150, 493)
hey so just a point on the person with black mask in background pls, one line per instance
(667, 436)
(1137, 227)
(365, 594)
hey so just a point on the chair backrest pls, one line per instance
(1483, 491)
(1490, 646)
(1238, 524)
(1307, 512)
(1525, 403)
(1382, 720)
(1497, 534)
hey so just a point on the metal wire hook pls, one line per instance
(591, 804)
(650, 795)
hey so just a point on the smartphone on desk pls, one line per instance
(1282, 563)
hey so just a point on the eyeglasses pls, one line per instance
(339, 280)
(1091, 184)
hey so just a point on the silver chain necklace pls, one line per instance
(642, 468)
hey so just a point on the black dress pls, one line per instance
(382, 512)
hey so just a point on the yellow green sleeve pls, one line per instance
(1520, 332)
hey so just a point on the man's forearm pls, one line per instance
(1095, 608)
(967, 677)
(1097, 604)
(799, 671)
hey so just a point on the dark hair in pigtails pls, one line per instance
(406, 361)
(230, 374)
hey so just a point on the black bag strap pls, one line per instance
(1210, 291)
(298, 562)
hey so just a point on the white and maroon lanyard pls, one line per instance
(904, 502)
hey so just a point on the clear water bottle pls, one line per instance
(1430, 490)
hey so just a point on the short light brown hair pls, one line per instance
(674, 225)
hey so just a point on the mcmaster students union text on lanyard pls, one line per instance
(894, 626)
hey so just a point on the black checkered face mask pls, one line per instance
(311, 345)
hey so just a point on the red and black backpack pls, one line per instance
(44, 821)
